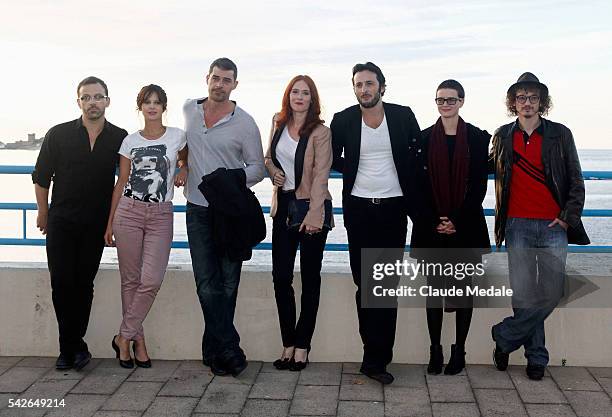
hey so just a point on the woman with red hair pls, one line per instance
(298, 160)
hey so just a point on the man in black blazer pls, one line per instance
(375, 145)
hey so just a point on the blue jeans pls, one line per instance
(217, 280)
(536, 261)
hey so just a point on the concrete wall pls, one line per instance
(581, 336)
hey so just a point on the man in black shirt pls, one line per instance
(80, 157)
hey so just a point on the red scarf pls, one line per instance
(448, 179)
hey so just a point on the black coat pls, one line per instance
(469, 219)
(405, 137)
(562, 173)
(236, 215)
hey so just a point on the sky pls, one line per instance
(48, 47)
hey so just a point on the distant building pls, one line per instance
(31, 144)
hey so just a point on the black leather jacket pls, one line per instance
(561, 169)
(237, 220)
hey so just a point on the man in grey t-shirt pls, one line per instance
(219, 135)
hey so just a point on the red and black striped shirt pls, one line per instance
(529, 196)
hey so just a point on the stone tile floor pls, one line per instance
(188, 388)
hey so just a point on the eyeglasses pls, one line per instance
(450, 100)
(97, 98)
(523, 99)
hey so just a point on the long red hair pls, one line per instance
(313, 118)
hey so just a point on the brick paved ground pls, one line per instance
(187, 388)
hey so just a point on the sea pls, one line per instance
(19, 189)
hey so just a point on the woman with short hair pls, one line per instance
(141, 218)
(452, 227)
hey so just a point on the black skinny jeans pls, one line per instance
(284, 248)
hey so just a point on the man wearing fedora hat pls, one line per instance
(539, 193)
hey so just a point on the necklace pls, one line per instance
(153, 135)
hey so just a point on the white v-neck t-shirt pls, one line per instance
(376, 173)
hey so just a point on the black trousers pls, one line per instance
(73, 254)
(371, 225)
(284, 248)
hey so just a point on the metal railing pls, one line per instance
(25, 207)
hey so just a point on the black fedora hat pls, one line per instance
(528, 78)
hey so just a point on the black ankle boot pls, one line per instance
(456, 362)
(436, 359)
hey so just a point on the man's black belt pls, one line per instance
(376, 200)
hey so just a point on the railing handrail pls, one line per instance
(27, 169)
(329, 247)
(334, 247)
(181, 208)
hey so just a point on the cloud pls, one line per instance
(48, 47)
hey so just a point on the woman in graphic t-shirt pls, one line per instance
(141, 218)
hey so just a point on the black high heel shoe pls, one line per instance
(283, 363)
(297, 366)
(129, 364)
(141, 364)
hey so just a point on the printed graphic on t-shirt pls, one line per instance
(149, 174)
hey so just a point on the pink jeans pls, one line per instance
(143, 234)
